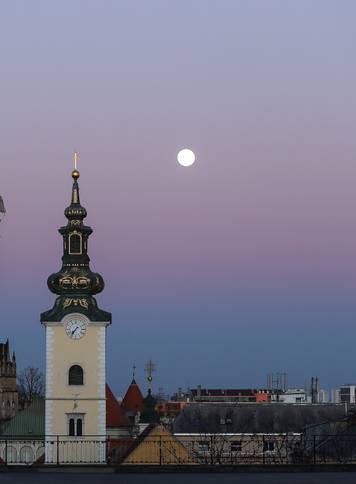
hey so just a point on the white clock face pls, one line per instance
(75, 328)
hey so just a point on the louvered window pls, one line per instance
(75, 375)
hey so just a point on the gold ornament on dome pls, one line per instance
(76, 302)
(75, 282)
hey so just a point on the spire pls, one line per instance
(75, 283)
(75, 176)
(75, 211)
(133, 375)
(132, 401)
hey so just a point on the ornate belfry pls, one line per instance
(75, 339)
(75, 283)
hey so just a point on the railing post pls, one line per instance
(263, 449)
(57, 450)
(107, 449)
(160, 450)
(211, 451)
(6, 452)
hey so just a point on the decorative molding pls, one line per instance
(102, 417)
(69, 317)
(101, 381)
(69, 301)
(90, 323)
(49, 361)
(49, 391)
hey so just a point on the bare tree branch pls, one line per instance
(30, 383)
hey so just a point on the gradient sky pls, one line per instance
(241, 265)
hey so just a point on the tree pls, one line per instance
(31, 383)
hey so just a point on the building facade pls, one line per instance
(347, 393)
(75, 338)
(292, 395)
(220, 395)
(8, 388)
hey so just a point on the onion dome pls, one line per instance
(149, 414)
(75, 283)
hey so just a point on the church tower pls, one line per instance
(75, 337)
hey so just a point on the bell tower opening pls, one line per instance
(75, 376)
(75, 244)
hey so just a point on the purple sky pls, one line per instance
(241, 265)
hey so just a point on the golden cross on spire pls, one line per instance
(76, 156)
(75, 172)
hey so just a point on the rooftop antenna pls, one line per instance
(150, 367)
(277, 381)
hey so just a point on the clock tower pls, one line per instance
(75, 340)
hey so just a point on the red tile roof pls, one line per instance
(115, 416)
(133, 400)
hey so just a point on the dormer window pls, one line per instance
(75, 243)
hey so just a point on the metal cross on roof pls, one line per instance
(150, 367)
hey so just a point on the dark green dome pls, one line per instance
(75, 283)
(75, 280)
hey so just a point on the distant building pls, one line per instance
(323, 396)
(8, 388)
(335, 395)
(238, 395)
(293, 395)
(348, 393)
(204, 418)
(168, 410)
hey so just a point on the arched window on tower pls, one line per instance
(75, 376)
(75, 424)
(75, 243)
(71, 427)
(79, 427)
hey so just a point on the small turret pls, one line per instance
(7, 365)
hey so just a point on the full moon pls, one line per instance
(186, 157)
